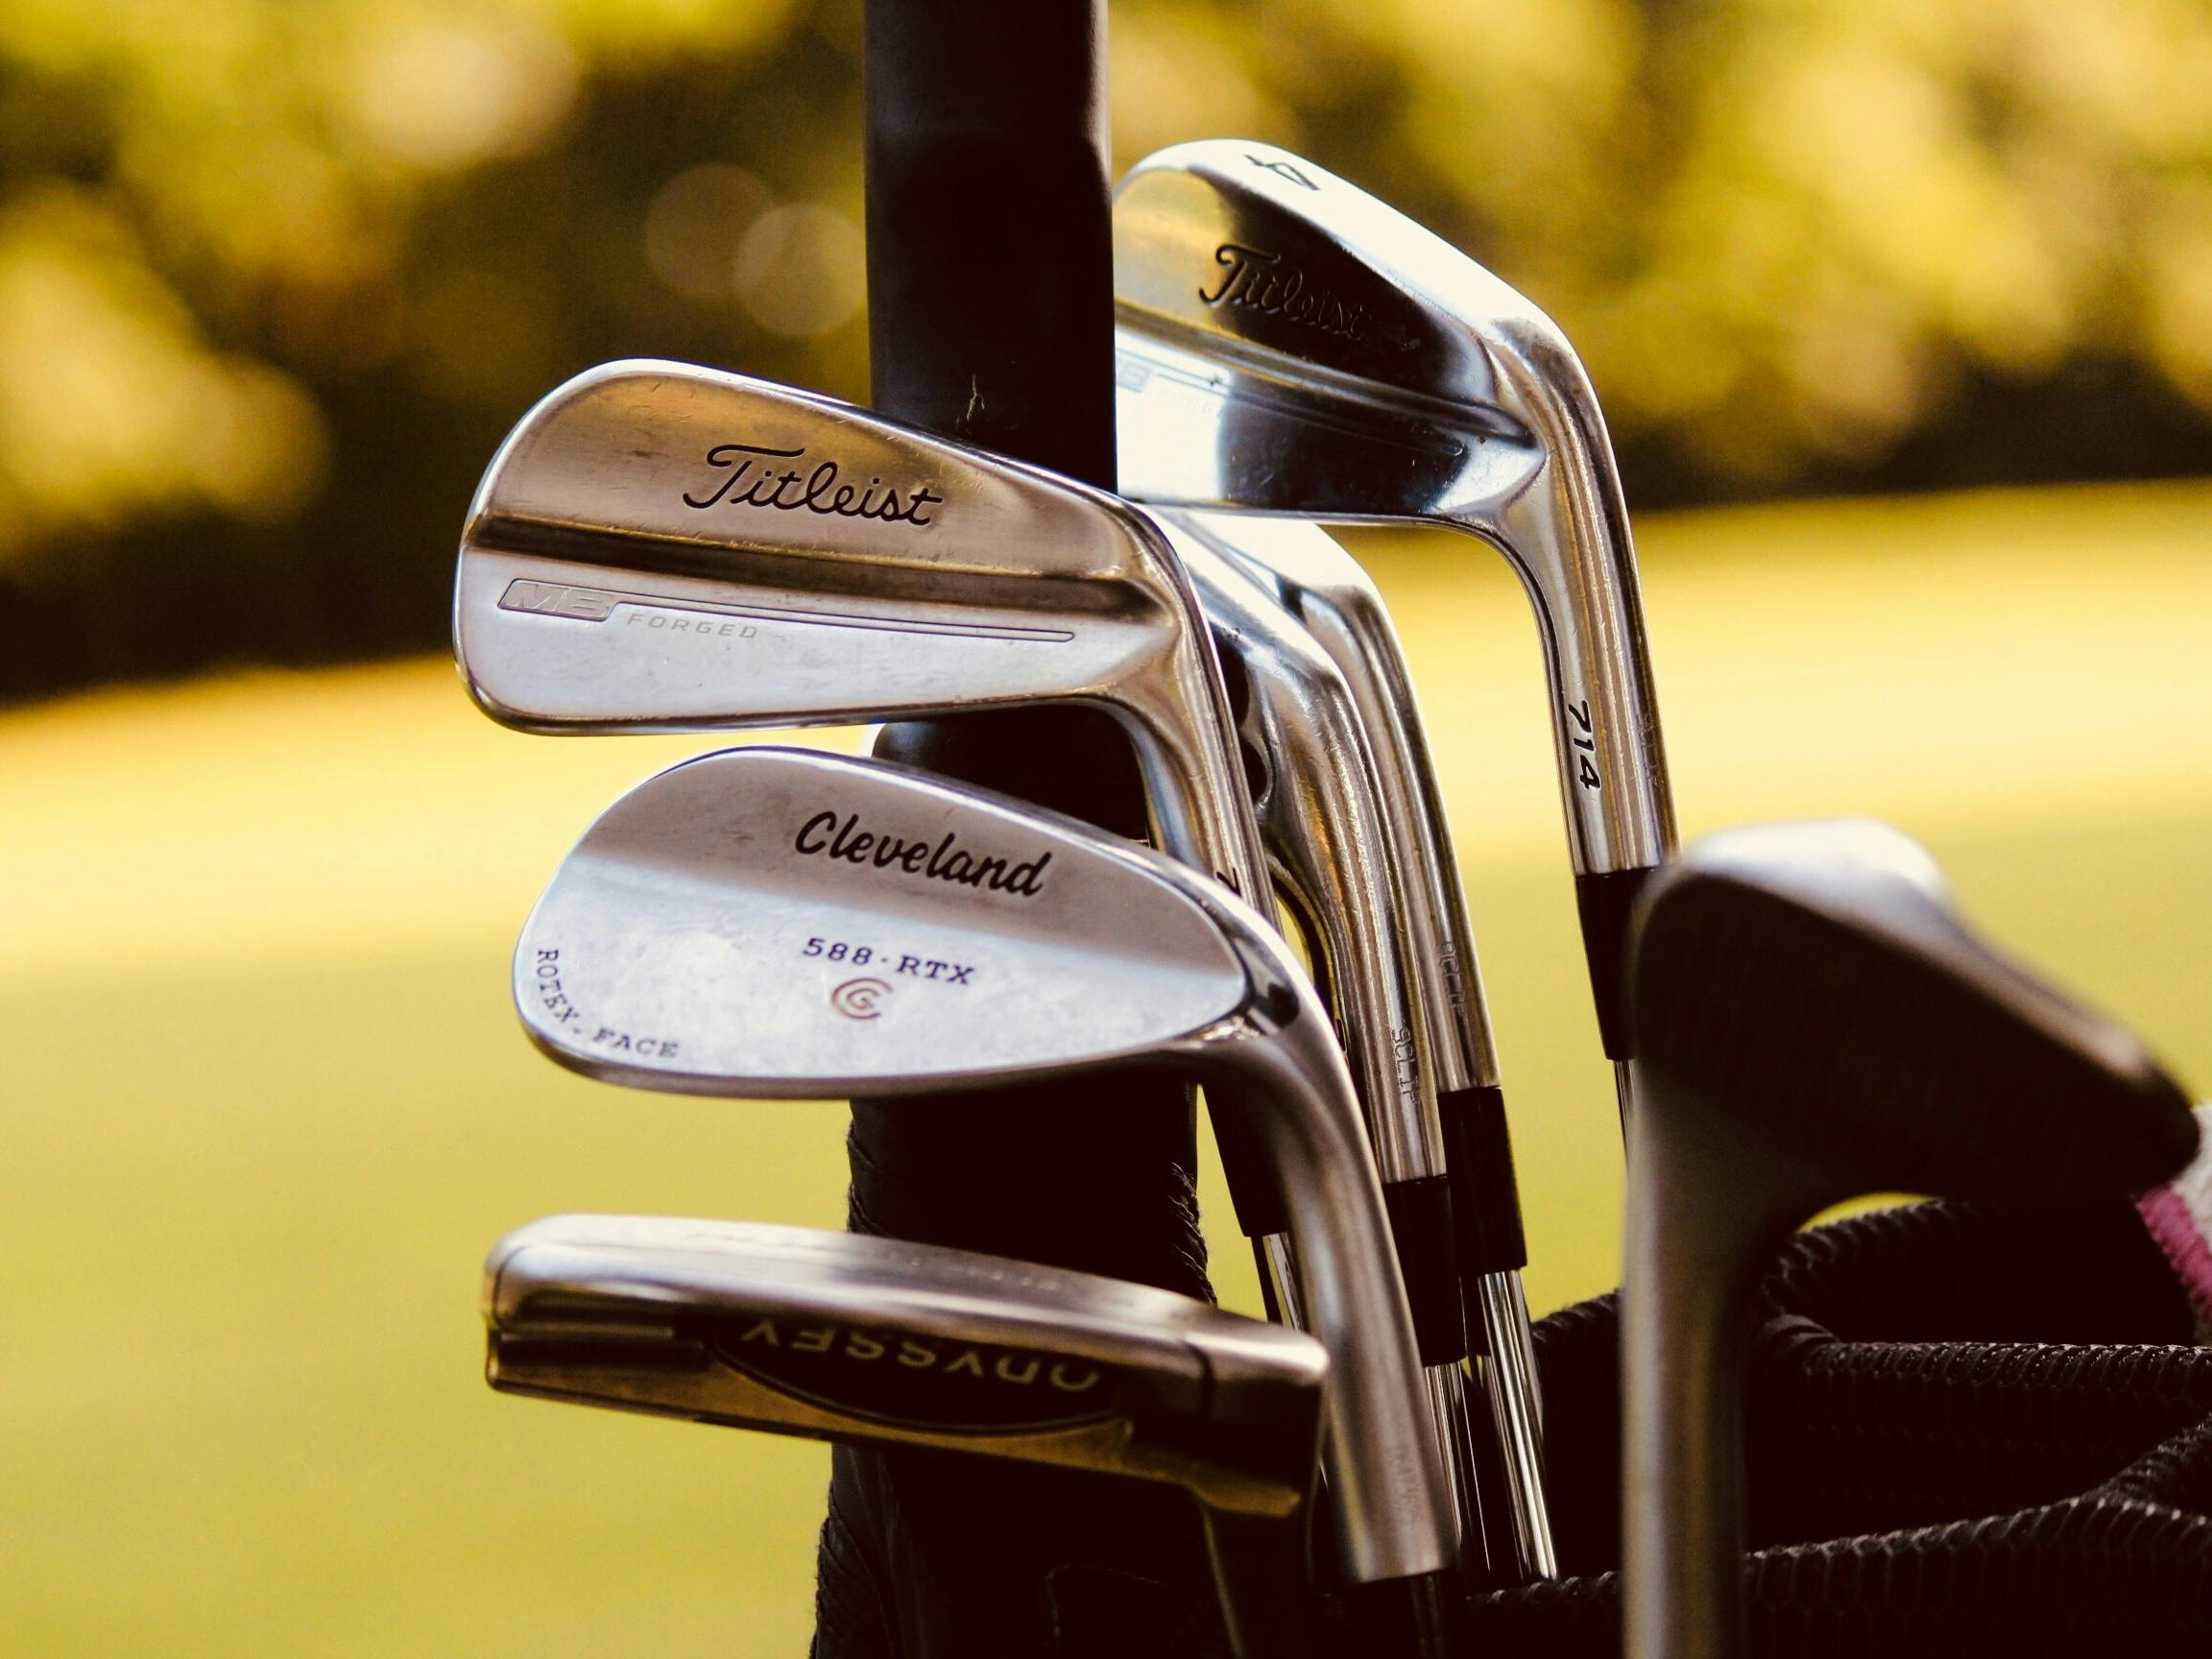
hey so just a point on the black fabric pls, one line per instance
(2044, 1487)
(2038, 1485)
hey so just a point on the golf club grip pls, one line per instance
(990, 320)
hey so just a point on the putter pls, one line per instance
(781, 923)
(660, 547)
(1319, 806)
(875, 1342)
(1814, 1022)
(1290, 344)
(1311, 578)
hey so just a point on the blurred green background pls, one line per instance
(274, 277)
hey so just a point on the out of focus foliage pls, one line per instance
(275, 275)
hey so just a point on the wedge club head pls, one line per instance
(781, 923)
(1814, 1024)
(875, 1342)
(1289, 343)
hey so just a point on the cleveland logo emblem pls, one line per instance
(825, 835)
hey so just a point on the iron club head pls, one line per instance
(1289, 343)
(1815, 1023)
(663, 547)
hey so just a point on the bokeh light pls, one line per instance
(802, 269)
(697, 222)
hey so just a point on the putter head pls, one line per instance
(836, 1336)
(783, 922)
(1288, 343)
(1811, 983)
(663, 547)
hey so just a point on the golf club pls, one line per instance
(1319, 806)
(782, 923)
(1290, 344)
(867, 1341)
(1815, 1024)
(1311, 578)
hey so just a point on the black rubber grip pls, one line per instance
(1485, 1196)
(1608, 904)
(1420, 1224)
(989, 295)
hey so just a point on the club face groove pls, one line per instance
(782, 923)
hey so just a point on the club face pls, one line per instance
(1288, 344)
(874, 1340)
(773, 922)
(659, 546)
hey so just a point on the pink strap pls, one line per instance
(2179, 1218)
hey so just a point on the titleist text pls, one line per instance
(751, 478)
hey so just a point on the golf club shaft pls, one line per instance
(1316, 580)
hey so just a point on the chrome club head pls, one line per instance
(1288, 344)
(1815, 1023)
(876, 1341)
(781, 923)
(663, 547)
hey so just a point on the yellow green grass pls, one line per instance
(266, 1105)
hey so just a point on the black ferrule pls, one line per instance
(1485, 1196)
(1420, 1224)
(1608, 904)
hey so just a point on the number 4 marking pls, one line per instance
(1585, 769)
(1283, 169)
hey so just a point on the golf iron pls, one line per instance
(1320, 809)
(1312, 580)
(661, 547)
(1288, 344)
